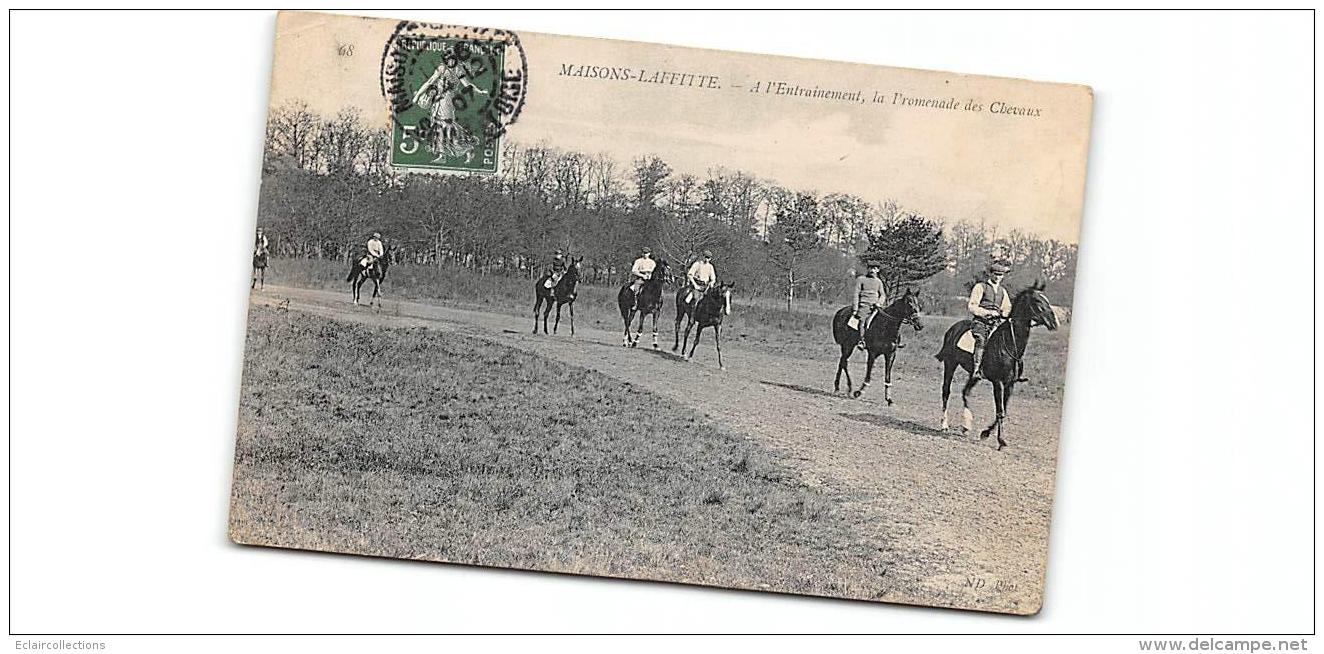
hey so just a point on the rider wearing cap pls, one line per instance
(375, 251)
(556, 270)
(869, 297)
(701, 277)
(989, 304)
(641, 271)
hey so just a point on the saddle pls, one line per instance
(966, 342)
(854, 322)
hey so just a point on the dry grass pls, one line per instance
(404, 442)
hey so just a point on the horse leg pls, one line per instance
(997, 413)
(253, 285)
(376, 292)
(888, 358)
(1002, 411)
(262, 277)
(557, 324)
(697, 335)
(654, 329)
(628, 317)
(639, 331)
(356, 285)
(967, 418)
(546, 310)
(572, 318)
(868, 372)
(843, 366)
(537, 304)
(948, 371)
(717, 340)
(679, 317)
(685, 344)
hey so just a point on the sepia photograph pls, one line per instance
(630, 310)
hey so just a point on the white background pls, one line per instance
(1185, 490)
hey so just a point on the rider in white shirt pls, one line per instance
(989, 304)
(375, 250)
(642, 271)
(701, 277)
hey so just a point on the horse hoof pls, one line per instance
(721, 367)
(855, 394)
(889, 401)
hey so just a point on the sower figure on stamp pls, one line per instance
(640, 272)
(701, 277)
(438, 96)
(989, 304)
(870, 297)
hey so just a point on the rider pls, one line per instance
(260, 244)
(989, 304)
(641, 271)
(375, 251)
(869, 297)
(701, 277)
(556, 269)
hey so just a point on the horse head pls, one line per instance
(572, 271)
(663, 272)
(1033, 304)
(724, 289)
(910, 302)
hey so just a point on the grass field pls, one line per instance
(804, 333)
(404, 442)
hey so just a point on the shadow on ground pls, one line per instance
(805, 389)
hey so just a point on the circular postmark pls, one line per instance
(453, 92)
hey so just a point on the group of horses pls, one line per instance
(705, 313)
(1004, 349)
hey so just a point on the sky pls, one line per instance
(1008, 170)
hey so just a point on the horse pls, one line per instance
(1003, 353)
(259, 270)
(707, 312)
(376, 271)
(880, 337)
(560, 294)
(650, 301)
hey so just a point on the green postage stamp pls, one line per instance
(446, 102)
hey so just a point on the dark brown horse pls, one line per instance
(1003, 354)
(650, 302)
(376, 271)
(562, 293)
(707, 312)
(880, 338)
(259, 270)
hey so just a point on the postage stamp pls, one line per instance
(451, 96)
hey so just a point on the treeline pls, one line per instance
(327, 185)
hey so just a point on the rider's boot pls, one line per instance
(861, 345)
(978, 372)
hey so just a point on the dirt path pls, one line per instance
(968, 525)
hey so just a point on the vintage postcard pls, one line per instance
(651, 312)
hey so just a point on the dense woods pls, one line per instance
(327, 185)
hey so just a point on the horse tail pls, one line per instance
(353, 270)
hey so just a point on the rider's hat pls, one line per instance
(707, 253)
(999, 267)
(648, 250)
(376, 234)
(559, 252)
